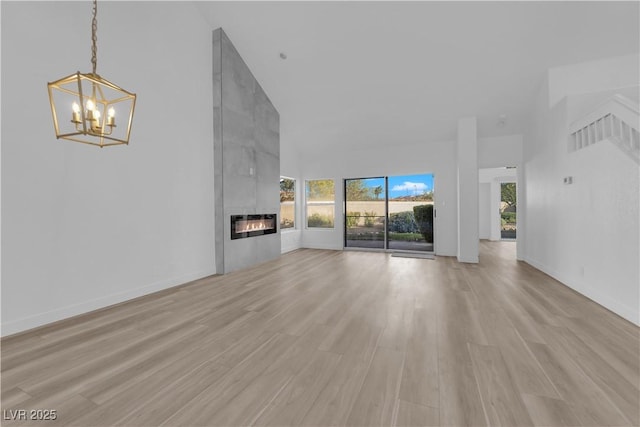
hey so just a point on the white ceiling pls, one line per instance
(375, 73)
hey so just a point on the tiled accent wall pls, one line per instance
(246, 129)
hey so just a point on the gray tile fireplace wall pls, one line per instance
(246, 149)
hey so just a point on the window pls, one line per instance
(320, 203)
(287, 203)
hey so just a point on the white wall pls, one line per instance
(501, 151)
(397, 159)
(586, 234)
(593, 76)
(84, 227)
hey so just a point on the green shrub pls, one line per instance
(403, 222)
(509, 217)
(371, 235)
(286, 223)
(406, 237)
(369, 218)
(352, 219)
(322, 221)
(423, 215)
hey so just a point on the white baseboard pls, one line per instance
(622, 310)
(327, 247)
(285, 250)
(445, 253)
(30, 322)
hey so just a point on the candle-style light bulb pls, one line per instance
(111, 119)
(90, 111)
(75, 116)
(94, 116)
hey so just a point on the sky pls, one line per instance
(409, 185)
(405, 185)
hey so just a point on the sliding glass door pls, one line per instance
(411, 213)
(395, 213)
(365, 213)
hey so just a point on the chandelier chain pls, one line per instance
(94, 37)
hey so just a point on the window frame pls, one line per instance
(308, 203)
(295, 209)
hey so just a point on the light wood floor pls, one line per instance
(338, 338)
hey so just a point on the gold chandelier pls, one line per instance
(85, 106)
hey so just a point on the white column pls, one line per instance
(467, 147)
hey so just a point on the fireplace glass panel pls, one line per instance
(243, 226)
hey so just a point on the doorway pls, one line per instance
(498, 199)
(393, 213)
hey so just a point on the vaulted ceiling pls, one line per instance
(373, 73)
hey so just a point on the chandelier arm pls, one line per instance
(94, 37)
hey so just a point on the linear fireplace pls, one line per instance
(243, 226)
